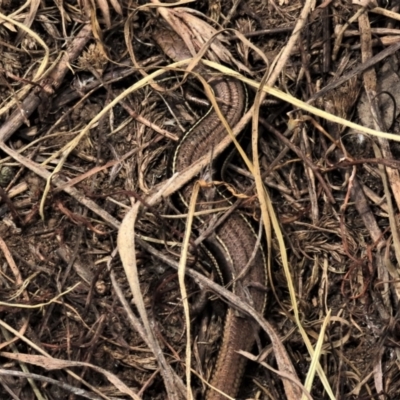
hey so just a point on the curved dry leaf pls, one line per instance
(196, 32)
(126, 248)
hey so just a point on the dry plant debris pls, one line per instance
(87, 129)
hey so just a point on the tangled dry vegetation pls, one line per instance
(85, 141)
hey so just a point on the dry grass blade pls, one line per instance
(292, 391)
(316, 356)
(126, 247)
(181, 275)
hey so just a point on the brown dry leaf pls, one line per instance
(126, 248)
(196, 32)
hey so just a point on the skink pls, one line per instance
(235, 239)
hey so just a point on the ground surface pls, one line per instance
(334, 189)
